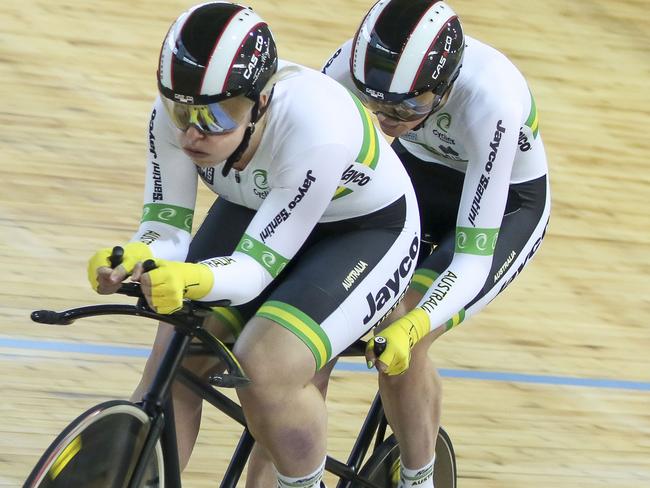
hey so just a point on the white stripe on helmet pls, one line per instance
(167, 50)
(363, 38)
(231, 39)
(418, 44)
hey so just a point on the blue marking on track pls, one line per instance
(143, 352)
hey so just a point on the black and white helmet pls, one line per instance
(404, 48)
(216, 51)
(215, 61)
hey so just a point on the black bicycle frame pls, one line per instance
(157, 403)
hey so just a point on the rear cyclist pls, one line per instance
(466, 129)
(313, 238)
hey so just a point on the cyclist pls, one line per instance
(312, 239)
(466, 129)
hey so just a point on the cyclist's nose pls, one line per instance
(193, 134)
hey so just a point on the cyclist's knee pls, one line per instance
(421, 367)
(273, 357)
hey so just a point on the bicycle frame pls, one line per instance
(158, 406)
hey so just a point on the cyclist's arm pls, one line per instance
(338, 65)
(491, 143)
(301, 189)
(170, 191)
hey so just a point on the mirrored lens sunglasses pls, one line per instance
(407, 110)
(214, 118)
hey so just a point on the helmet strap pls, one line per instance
(256, 115)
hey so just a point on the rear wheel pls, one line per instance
(99, 449)
(382, 468)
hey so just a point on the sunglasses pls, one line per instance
(212, 119)
(407, 110)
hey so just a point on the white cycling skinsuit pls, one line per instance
(319, 232)
(479, 170)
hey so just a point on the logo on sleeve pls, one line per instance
(485, 177)
(284, 214)
(157, 178)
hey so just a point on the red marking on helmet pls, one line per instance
(232, 62)
(424, 58)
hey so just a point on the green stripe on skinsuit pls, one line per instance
(270, 260)
(369, 153)
(455, 320)
(423, 279)
(231, 318)
(340, 192)
(533, 117)
(302, 325)
(480, 242)
(178, 217)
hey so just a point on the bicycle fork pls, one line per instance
(158, 405)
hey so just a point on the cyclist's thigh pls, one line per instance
(344, 282)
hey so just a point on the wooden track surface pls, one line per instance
(78, 79)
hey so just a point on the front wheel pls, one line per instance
(382, 468)
(99, 449)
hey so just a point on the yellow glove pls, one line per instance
(400, 337)
(172, 281)
(134, 252)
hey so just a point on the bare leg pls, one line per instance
(412, 401)
(261, 472)
(187, 405)
(285, 411)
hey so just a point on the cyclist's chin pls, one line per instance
(205, 159)
(393, 129)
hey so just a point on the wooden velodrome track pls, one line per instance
(570, 340)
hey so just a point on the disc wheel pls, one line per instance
(99, 449)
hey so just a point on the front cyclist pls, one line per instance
(312, 239)
(469, 138)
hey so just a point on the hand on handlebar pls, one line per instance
(396, 341)
(106, 271)
(165, 286)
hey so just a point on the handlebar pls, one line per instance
(188, 319)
